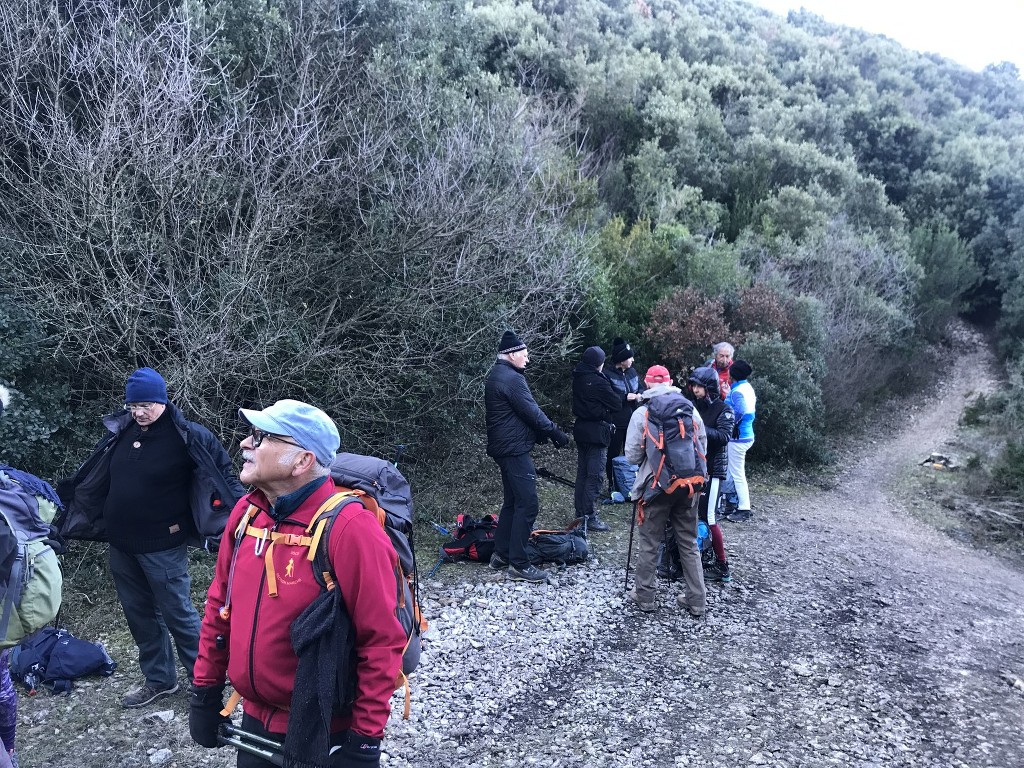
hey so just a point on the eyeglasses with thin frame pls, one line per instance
(258, 436)
(138, 406)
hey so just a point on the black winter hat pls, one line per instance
(621, 351)
(510, 343)
(740, 370)
(594, 356)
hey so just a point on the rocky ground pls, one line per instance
(853, 635)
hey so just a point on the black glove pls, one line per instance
(204, 717)
(559, 438)
(55, 541)
(358, 751)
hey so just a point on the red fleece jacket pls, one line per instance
(257, 655)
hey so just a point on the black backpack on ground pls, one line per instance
(558, 547)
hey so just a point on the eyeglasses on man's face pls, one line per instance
(138, 406)
(258, 436)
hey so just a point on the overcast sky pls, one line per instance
(974, 33)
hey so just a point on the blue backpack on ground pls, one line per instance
(54, 658)
(624, 475)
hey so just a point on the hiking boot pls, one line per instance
(647, 606)
(498, 563)
(739, 516)
(530, 573)
(682, 602)
(595, 523)
(144, 695)
(718, 572)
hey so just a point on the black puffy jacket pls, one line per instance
(514, 420)
(719, 421)
(594, 402)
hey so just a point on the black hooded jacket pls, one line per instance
(514, 420)
(594, 402)
(719, 421)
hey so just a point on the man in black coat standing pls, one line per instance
(514, 424)
(594, 401)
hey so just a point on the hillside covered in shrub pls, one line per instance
(348, 203)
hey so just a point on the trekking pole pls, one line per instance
(542, 472)
(629, 549)
(399, 450)
(249, 742)
(437, 565)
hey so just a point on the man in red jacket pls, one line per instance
(264, 581)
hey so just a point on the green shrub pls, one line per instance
(788, 427)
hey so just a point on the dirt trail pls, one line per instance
(853, 635)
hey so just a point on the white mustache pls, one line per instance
(247, 455)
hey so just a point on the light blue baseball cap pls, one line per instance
(307, 425)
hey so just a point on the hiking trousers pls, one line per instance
(590, 464)
(680, 511)
(156, 593)
(519, 508)
(736, 483)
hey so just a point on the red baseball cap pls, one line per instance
(657, 374)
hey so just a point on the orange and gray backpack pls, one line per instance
(383, 490)
(673, 447)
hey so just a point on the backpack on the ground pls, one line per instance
(558, 547)
(670, 566)
(672, 446)
(30, 576)
(624, 475)
(472, 539)
(54, 658)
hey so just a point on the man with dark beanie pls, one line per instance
(627, 383)
(155, 484)
(514, 424)
(594, 400)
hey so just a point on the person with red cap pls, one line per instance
(678, 509)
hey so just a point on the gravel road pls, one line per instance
(853, 635)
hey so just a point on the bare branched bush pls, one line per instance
(323, 227)
(865, 288)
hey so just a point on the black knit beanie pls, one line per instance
(740, 370)
(594, 356)
(510, 343)
(621, 351)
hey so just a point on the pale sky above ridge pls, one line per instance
(975, 33)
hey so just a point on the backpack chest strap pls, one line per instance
(267, 539)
